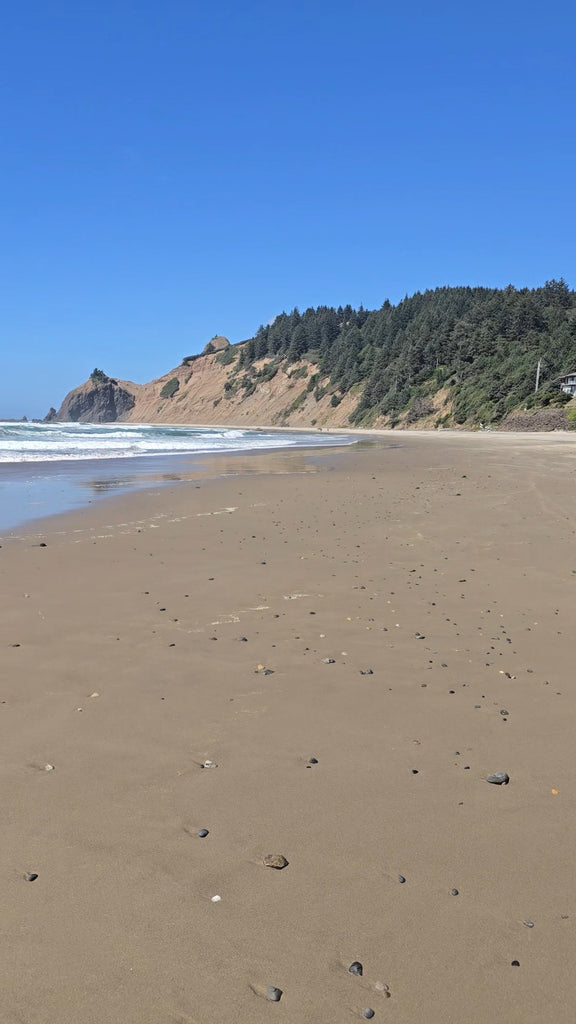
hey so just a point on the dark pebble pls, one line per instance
(454, 892)
(368, 1013)
(313, 760)
(31, 877)
(273, 994)
(366, 672)
(414, 771)
(504, 713)
(203, 832)
(515, 963)
(401, 879)
(499, 779)
(356, 968)
(328, 661)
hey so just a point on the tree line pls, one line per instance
(482, 345)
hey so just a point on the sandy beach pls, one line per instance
(403, 616)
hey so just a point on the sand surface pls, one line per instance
(130, 649)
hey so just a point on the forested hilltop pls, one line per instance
(451, 357)
(475, 348)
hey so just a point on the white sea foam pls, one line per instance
(51, 442)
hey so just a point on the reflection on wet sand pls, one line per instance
(210, 467)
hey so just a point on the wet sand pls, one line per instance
(402, 600)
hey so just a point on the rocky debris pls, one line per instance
(209, 764)
(328, 661)
(401, 879)
(203, 832)
(498, 779)
(274, 994)
(368, 1013)
(275, 860)
(31, 876)
(356, 968)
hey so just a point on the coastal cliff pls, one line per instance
(452, 357)
(103, 401)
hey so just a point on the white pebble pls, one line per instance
(215, 899)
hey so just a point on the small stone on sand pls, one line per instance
(368, 1013)
(275, 860)
(499, 779)
(273, 994)
(203, 832)
(401, 879)
(356, 968)
(31, 877)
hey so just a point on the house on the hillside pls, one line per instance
(567, 383)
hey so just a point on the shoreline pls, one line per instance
(58, 484)
(113, 479)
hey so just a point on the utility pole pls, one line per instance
(538, 375)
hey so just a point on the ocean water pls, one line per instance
(46, 468)
(51, 442)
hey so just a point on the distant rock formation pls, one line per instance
(217, 344)
(95, 401)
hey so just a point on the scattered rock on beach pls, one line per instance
(31, 876)
(368, 1013)
(274, 994)
(401, 879)
(498, 779)
(275, 860)
(203, 832)
(209, 764)
(366, 672)
(328, 661)
(356, 968)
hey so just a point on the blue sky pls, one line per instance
(176, 170)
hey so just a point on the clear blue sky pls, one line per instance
(172, 170)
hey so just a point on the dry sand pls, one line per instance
(124, 665)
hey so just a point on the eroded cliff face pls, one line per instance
(96, 402)
(210, 392)
(213, 388)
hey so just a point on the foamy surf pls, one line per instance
(52, 442)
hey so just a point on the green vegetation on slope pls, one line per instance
(482, 345)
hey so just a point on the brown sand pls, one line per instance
(130, 672)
